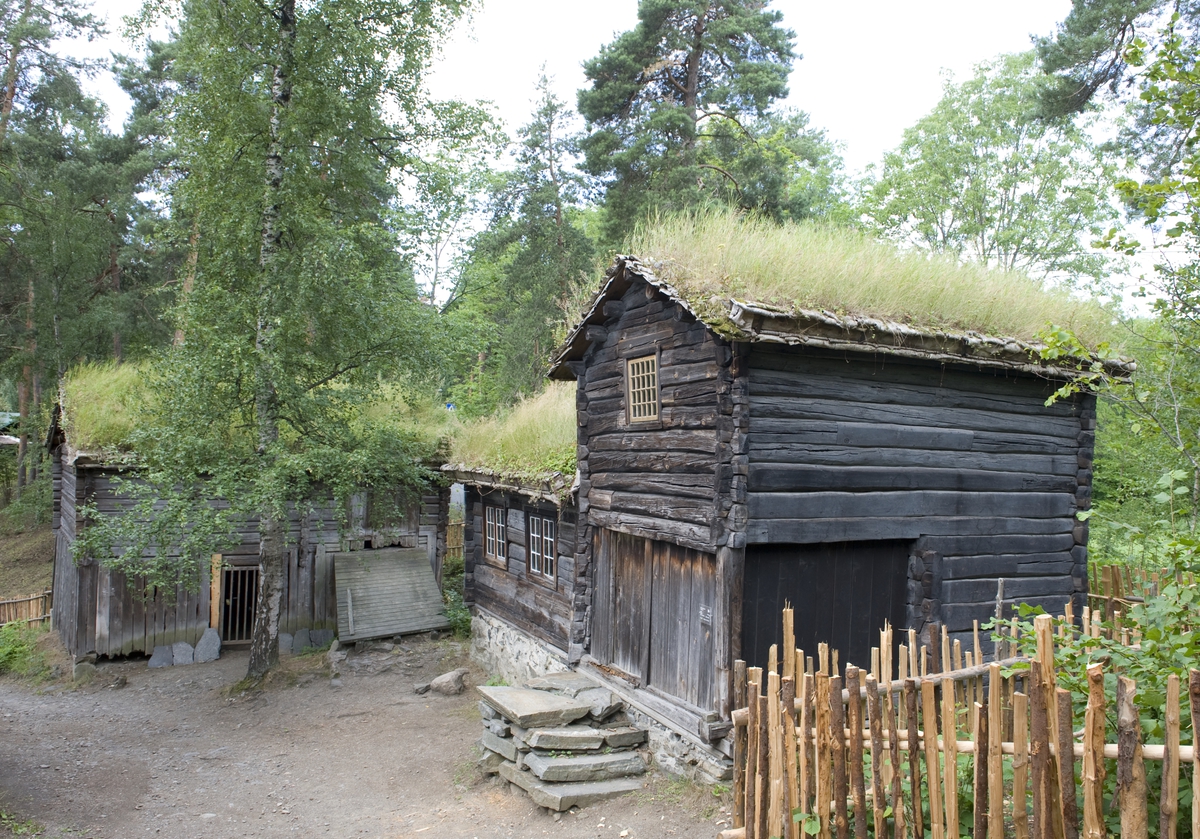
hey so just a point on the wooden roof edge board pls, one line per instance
(551, 489)
(758, 322)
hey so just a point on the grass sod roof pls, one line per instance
(529, 447)
(812, 283)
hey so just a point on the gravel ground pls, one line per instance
(179, 752)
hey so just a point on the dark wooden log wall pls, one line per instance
(98, 610)
(537, 606)
(969, 465)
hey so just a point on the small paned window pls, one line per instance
(541, 546)
(495, 533)
(641, 375)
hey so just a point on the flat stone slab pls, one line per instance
(568, 683)
(568, 738)
(500, 745)
(598, 767)
(534, 708)
(604, 703)
(560, 797)
(624, 736)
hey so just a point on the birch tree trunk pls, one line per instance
(264, 643)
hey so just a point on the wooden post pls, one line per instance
(995, 762)
(982, 745)
(929, 713)
(739, 746)
(875, 714)
(1066, 766)
(837, 722)
(789, 644)
(775, 757)
(1043, 627)
(824, 775)
(762, 804)
(805, 746)
(214, 594)
(1194, 696)
(949, 757)
(855, 759)
(1168, 807)
(1131, 770)
(914, 755)
(1039, 748)
(752, 782)
(1093, 756)
(1021, 763)
(898, 820)
(791, 783)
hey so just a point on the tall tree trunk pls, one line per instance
(189, 274)
(114, 268)
(25, 393)
(264, 642)
(12, 69)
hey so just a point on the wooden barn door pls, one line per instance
(842, 593)
(653, 615)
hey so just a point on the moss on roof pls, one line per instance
(101, 405)
(532, 441)
(712, 257)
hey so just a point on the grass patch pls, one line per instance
(101, 405)
(532, 440)
(15, 826)
(22, 652)
(710, 257)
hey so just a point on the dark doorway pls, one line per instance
(239, 595)
(842, 594)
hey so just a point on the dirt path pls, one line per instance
(172, 753)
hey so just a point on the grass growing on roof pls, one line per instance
(533, 439)
(819, 266)
(102, 404)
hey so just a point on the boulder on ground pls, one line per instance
(209, 647)
(285, 643)
(320, 637)
(300, 641)
(449, 684)
(182, 653)
(162, 656)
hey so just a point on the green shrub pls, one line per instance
(19, 653)
(452, 597)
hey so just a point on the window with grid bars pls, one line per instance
(541, 546)
(641, 375)
(495, 533)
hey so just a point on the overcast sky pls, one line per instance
(870, 69)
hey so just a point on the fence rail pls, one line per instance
(32, 609)
(1113, 589)
(982, 749)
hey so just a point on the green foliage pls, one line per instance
(18, 827)
(452, 597)
(31, 509)
(656, 90)
(534, 439)
(19, 653)
(817, 266)
(982, 177)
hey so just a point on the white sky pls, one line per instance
(870, 69)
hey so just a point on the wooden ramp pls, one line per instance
(390, 591)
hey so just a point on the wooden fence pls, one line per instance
(1114, 589)
(816, 754)
(454, 540)
(32, 609)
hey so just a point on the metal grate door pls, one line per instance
(238, 598)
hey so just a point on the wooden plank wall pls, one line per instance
(971, 466)
(655, 479)
(97, 610)
(539, 607)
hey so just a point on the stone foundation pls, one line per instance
(505, 651)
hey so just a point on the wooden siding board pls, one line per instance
(390, 591)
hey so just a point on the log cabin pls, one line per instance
(734, 456)
(98, 610)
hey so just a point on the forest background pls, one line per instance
(299, 250)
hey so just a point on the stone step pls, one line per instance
(534, 708)
(597, 767)
(564, 796)
(567, 738)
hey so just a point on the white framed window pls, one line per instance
(641, 382)
(495, 533)
(541, 545)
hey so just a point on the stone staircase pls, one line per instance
(561, 738)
